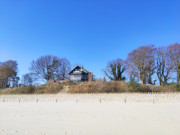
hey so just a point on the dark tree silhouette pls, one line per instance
(115, 69)
(8, 74)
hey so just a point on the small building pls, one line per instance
(79, 74)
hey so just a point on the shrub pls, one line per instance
(174, 86)
(133, 86)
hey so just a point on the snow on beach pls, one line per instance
(90, 114)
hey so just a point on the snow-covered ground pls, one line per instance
(90, 114)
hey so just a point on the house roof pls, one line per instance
(82, 70)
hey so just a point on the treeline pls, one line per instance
(146, 64)
(47, 68)
(43, 69)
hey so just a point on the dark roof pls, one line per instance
(82, 70)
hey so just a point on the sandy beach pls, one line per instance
(102, 116)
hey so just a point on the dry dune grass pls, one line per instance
(19, 90)
(91, 87)
(44, 89)
(117, 87)
(98, 87)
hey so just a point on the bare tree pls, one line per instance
(115, 70)
(65, 67)
(141, 63)
(174, 54)
(29, 79)
(179, 72)
(45, 67)
(50, 67)
(164, 65)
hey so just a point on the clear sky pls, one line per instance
(86, 32)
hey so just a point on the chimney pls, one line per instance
(90, 76)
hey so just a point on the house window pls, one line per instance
(75, 77)
(77, 70)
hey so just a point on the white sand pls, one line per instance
(88, 118)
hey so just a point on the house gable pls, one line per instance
(78, 70)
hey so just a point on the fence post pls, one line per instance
(125, 101)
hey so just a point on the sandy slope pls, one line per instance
(89, 118)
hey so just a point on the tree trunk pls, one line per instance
(165, 81)
(178, 73)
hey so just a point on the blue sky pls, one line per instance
(86, 32)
